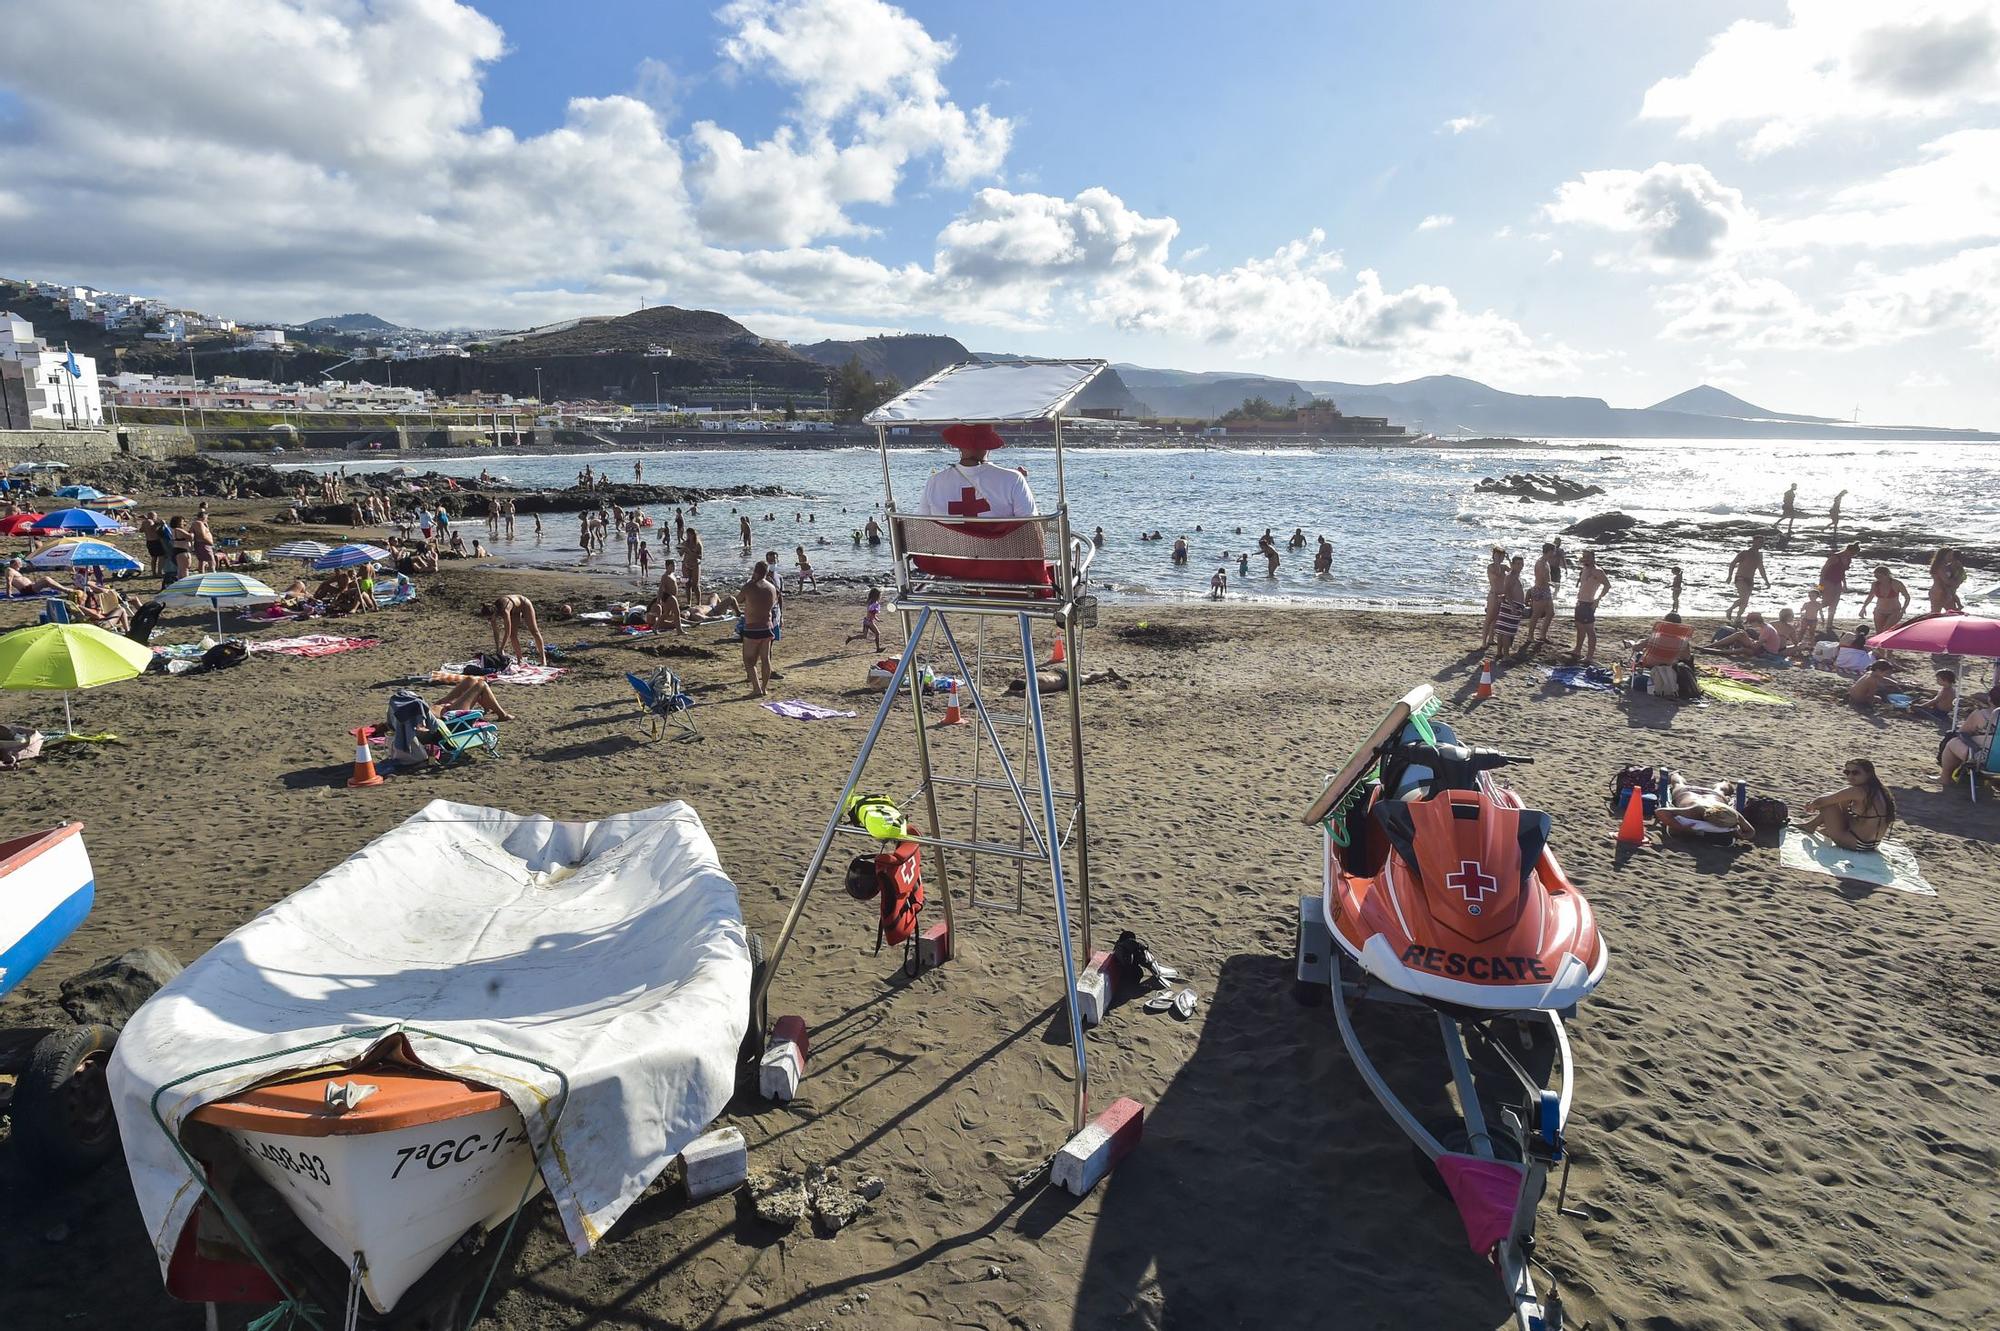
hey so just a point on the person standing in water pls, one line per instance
(1790, 513)
(1833, 515)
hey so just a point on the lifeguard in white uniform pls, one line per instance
(972, 487)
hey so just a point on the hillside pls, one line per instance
(352, 323)
(904, 357)
(1707, 400)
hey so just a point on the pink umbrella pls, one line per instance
(1945, 634)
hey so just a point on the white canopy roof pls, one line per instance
(1021, 390)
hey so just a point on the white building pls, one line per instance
(57, 398)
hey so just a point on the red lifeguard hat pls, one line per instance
(973, 438)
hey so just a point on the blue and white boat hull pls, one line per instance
(46, 890)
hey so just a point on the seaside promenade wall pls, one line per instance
(78, 447)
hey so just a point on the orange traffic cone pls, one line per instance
(1485, 689)
(1632, 829)
(951, 716)
(364, 761)
(1060, 652)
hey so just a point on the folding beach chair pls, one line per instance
(55, 610)
(143, 621)
(665, 703)
(419, 735)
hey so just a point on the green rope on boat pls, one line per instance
(291, 1308)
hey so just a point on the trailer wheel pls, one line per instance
(1451, 1134)
(63, 1125)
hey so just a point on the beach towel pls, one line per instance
(1735, 690)
(804, 711)
(518, 673)
(1581, 677)
(1737, 672)
(314, 644)
(1892, 865)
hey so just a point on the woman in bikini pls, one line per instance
(1970, 743)
(1858, 815)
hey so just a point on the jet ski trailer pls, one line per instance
(1440, 892)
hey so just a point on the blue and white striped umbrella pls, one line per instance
(298, 550)
(215, 588)
(349, 556)
(83, 553)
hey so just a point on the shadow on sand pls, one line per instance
(1271, 1190)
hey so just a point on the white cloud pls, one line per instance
(1115, 264)
(286, 157)
(1923, 379)
(1949, 196)
(1679, 212)
(1834, 61)
(1436, 222)
(1958, 294)
(1555, 256)
(1503, 233)
(1461, 124)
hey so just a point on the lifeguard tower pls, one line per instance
(962, 570)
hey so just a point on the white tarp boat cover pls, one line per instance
(1026, 390)
(613, 950)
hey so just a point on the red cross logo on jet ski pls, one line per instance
(1473, 883)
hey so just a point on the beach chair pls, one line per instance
(665, 703)
(55, 610)
(1986, 773)
(419, 735)
(144, 619)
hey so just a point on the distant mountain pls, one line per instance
(1446, 404)
(904, 357)
(1707, 400)
(352, 323)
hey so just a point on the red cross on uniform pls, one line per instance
(969, 504)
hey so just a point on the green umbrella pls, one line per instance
(68, 657)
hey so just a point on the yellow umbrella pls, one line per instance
(68, 657)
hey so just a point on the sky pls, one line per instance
(1796, 202)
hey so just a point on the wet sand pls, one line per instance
(1788, 1087)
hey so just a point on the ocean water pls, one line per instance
(1407, 527)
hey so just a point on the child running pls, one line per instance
(869, 614)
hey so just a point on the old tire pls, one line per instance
(63, 1125)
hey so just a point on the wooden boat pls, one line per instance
(389, 1164)
(46, 890)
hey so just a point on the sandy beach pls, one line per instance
(1788, 1085)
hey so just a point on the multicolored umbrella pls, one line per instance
(215, 588)
(81, 552)
(77, 520)
(68, 657)
(349, 556)
(1950, 634)
(307, 550)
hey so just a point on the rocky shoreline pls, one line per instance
(1879, 545)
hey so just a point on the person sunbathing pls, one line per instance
(1972, 741)
(469, 693)
(1688, 806)
(718, 607)
(22, 583)
(105, 608)
(1858, 815)
(1755, 638)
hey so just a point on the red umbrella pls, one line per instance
(1944, 634)
(17, 524)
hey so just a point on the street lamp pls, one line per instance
(538, 385)
(656, 392)
(202, 411)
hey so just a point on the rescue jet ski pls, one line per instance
(1441, 892)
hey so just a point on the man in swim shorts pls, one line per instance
(759, 602)
(1833, 579)
(1542, 597)
(1591, 587)
(1744, 570)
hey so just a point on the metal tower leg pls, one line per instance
(1056, 876)
(1075, 644)
(833, 822)
(930, 804)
